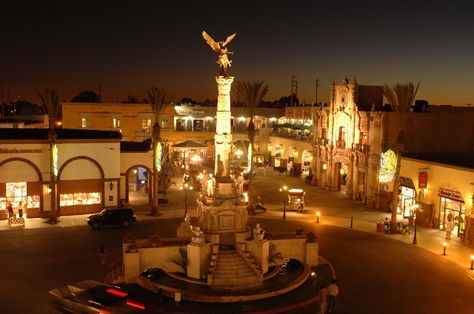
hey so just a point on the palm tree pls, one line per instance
(400, 97)
(158, 100)
(251, 95)
(50, 103)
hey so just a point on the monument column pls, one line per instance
(223, 137)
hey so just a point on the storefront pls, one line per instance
(452, 205)
(80, 196)
(86, 163)
(307, 160)
(21, 195)
(407, 197)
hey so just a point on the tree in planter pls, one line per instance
(251, 94)
(51, 104)
(158, 100)
(400, 98)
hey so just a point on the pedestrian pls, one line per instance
(449, 226)
(10, 209)
(333, 292)
(102, 254)
(323, 302)
(20, 209)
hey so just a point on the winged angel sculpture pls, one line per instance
(223, 59)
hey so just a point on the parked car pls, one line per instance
(89, 296)
(123, 216)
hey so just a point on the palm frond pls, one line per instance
(159, 101)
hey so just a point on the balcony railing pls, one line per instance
(364, 148)
(284, 133)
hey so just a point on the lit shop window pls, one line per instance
(84, 123)
(116, 122)
(77, 199)
(164, 123)
(16, 193)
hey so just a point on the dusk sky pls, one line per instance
(129, 46)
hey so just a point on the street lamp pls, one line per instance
(284, 189)
(186, 186)
(415, 210)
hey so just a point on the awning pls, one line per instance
(407, 182)
(189, 144)
(451, 194)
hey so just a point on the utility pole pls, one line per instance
(100, 92)
(2, 99)
(294, 90)
(317, 85)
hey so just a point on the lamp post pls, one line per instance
(284, 189)
(415, 211)
(186, 186)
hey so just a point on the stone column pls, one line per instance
(223, 137)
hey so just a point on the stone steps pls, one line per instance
(233, 271)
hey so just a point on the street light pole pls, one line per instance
(414, 229)
(186, 187)
(415, 210)
(284, 189)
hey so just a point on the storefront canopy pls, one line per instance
(189, 144)
(451, 194)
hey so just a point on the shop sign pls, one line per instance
(422, 180)
(451, 194)
(19, 151)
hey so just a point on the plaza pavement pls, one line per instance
(335, 210)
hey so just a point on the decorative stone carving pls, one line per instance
(258, 233)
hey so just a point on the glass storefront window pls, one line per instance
(16, 193)
(77, 199)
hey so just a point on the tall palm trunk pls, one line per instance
(395, 195)
(251, 134)
(251, 94)
(401, 98)
(158, 101)
(50, 103)
(53, 213)
(155, 187)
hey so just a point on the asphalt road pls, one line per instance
(377, 275)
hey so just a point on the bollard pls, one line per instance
(445, 244)
(472, 262)
(317, 216)
(352, 218)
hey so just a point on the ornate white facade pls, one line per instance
(348, 140)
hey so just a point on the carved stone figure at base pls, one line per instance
(198, 235)
(258, 233)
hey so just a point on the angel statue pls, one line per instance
(223, 59)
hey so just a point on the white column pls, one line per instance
(223, 137)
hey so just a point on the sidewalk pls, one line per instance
(335, 210)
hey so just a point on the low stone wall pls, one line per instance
(297, 248)
(141, 255)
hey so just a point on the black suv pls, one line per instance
(112, 216)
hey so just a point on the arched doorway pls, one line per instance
(21, 187)
(138, 185)
(80, 186)
(341, 173)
